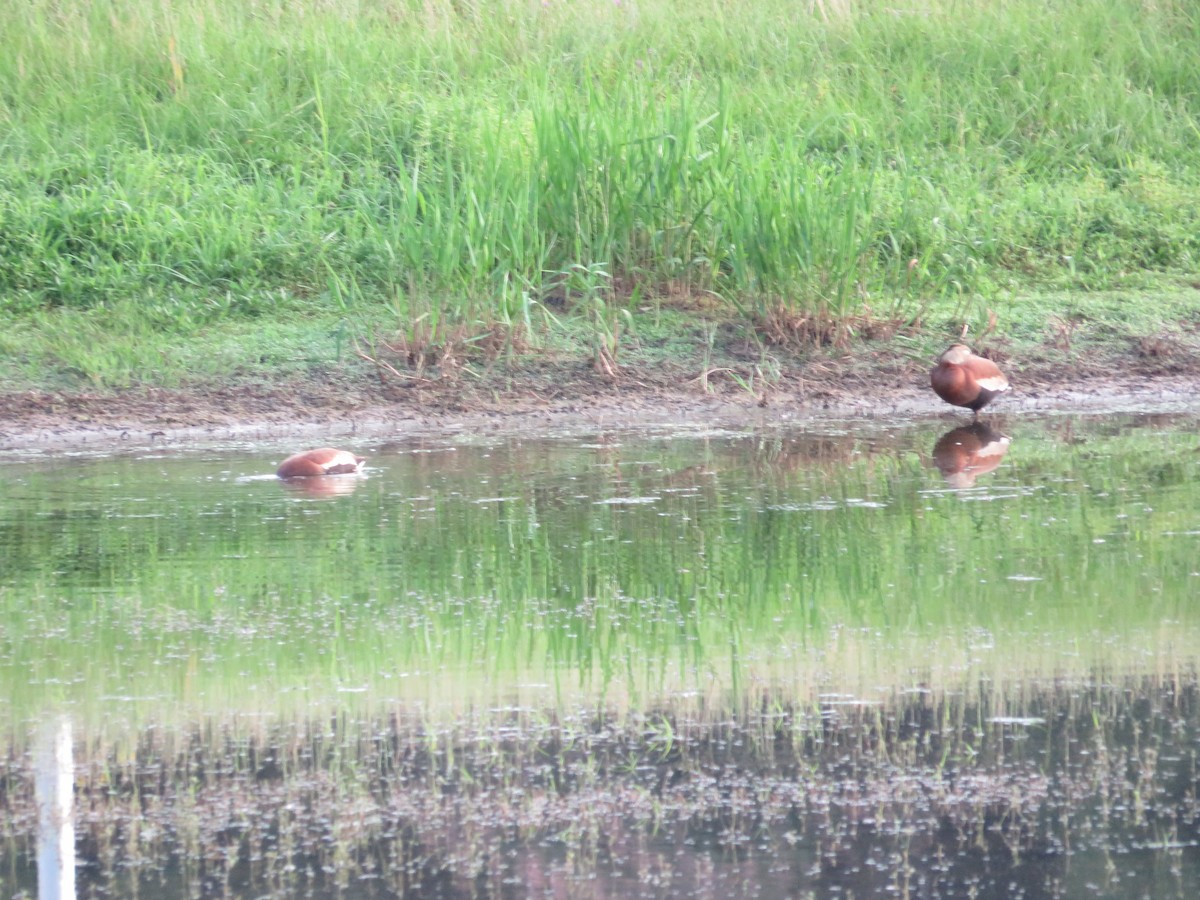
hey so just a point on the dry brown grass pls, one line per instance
(787, 328)
(414, 355)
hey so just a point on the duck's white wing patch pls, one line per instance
(993, 383)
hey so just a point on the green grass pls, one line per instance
(214, 162)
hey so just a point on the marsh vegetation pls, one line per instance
(207, 190)
(798, 659)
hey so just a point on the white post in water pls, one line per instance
(55, 790)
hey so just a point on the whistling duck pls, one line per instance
(963, 379)
(963, 454)
(325, 461)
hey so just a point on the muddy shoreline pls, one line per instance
(49, 422)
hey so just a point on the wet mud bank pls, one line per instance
(575, 398)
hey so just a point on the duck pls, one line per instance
(963, 379)
(964, 453)
(322, 461)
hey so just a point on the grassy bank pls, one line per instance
(182, 184)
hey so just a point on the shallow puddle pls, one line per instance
(853, 660)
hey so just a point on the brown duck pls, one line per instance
(324, 461)
(963, 379)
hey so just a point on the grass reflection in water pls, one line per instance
(1064, 789)
(620, 572)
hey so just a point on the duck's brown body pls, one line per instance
(963, 454)
(325, 461)
(963, 379)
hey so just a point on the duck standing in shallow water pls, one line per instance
(324, 461)
(963, 379)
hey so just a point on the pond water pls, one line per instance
(848, 659)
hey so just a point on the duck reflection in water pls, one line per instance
(318, 486)
(963, 454)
